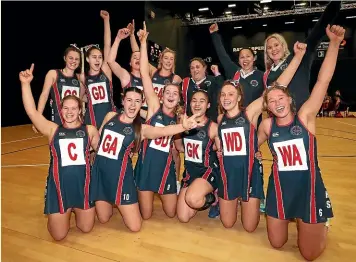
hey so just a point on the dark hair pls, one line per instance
(80, 105)
(93, 47)
(71, 48)
(203, 91)
(137, 121)
(238, 87)
(246, 48)
(199, 59)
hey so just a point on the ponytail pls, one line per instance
(137, 128)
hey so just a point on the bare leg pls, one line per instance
(277, 230)
(145, 200)
(169, 204)
(85, 219)
(58, 224)
(131, 216)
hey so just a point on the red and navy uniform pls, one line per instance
(99, 91)
(295, 187)
(63, 86)
(69, 172)
(159, 82)
(112, 172)
(155, 169)
(200, 159)
(240, 174)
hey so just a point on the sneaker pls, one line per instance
(214, 211)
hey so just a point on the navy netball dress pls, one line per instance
(69, 172)
(155, 169)
(112, 172)
(295, 188)
(240, 174)
(200, 159)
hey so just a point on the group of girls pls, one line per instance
(219, 150)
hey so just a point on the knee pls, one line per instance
(277, 243)
(104, 218)
(250, 227)
(58, 236)
(146, 215)
(134, 227)
(183, 218)
(311, 254)
(228, 224)
(85, 227)
(170, 213)
(194, 201)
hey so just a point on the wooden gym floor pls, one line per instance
(25, 238)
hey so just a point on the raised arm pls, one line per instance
(150, 95)
(107, 42)
(286, 77)
(46, 127)
(330, 13)
(133, 42)
(229, 66)
(119, 71)
(311, 107)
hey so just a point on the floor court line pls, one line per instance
(24, 165)
(346, 123)
(24, 139)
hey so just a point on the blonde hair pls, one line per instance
(282, 41)
(166, 50)
(284, 89)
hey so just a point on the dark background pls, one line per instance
(41, 35)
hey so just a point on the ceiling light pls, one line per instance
(349, 17)
(232, 5)
(264, 25)
(227, 12)
(203, 9)
(315, 20)
(291, 22)
(237, 27)
(265, 1)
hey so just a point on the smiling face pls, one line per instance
(279, 103)
(72, 59)
(95, 59)
(197, 70)
(167, 60)
(71, 110)
(135, 61)
(229, 97)
(246, 59)
(170, 96)
(199, 103)
(275, 49)
(132, 103)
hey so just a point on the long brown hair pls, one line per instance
(284, 89)
(238, 87)
(137, 125)
(80, 105)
